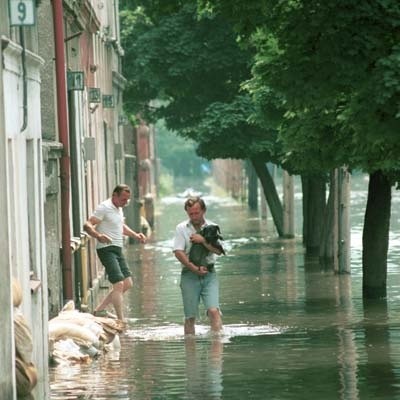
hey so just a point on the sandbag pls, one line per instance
(65, 329)
(16, 293)
(25, 372)
(25, 375)
(68, 350)
(23, 338)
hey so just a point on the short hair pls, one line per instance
(121, 188)
(191, 201)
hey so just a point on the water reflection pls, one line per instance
(347, 365)
(378, 369)
(203, 369)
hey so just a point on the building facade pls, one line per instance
(62, 150)
(22, 214)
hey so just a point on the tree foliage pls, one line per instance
(185, 62)
(335, 65)
(194, 68)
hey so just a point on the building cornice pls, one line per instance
(83, 14)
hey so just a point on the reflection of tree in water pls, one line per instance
(203, 368)
(377, 370)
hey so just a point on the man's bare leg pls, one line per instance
(215, 319)
(127, 283)
(189, 326)
(115, 297)
(106, 301)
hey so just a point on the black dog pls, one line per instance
(198, 252)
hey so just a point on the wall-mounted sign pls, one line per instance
(108, 101)
(94, 95)
(75, 80)
(22, 12)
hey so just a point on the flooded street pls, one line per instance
(291, 330)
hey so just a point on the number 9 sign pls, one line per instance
(22, 12)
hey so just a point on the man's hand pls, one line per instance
(197, 238)
(141, 237)
(202, 271)
(102, 238)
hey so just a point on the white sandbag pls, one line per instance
(65, 329)
(75, 314)
(114, 345)
(68, 350)
(69, 306)
(82, 319)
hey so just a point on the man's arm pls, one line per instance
(184, 259)
(130, 232)
(90, 228)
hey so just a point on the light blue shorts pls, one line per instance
(195, 288)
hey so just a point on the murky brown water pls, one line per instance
(292, 331)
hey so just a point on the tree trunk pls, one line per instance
(252, 187)
(314, 203)
(288, 205)
(344, 230)
(329, 237)
(270, 192)
(376, 236)
(335, 238)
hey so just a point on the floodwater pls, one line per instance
(291, 330)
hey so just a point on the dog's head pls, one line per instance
(211, 233)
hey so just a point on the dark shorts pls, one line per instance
(114, 262)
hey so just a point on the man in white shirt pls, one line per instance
(107, 225)
(197, 281)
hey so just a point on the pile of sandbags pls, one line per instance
(79, 337)
(25, 371)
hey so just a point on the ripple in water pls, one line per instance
(175, 332)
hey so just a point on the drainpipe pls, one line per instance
(62, 118)
(24, 79)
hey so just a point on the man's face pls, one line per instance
(122, 199)
(196, 214)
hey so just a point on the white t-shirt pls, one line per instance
(182, 238)
(112, 222)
